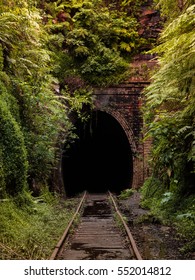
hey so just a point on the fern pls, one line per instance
(82, 51)
(170, 103)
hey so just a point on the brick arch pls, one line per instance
(121, 120)
(136, 176)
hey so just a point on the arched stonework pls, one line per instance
(128, 131)
(137, 176)
(123, 103)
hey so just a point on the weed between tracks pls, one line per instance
(119, 223)
(32, 231)
(117, 219)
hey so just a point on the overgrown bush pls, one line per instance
(32, 113)
(14, 163)
(126, 193)
(169, 115)
(33, 230)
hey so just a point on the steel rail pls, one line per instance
(130, 236)
(63, 238)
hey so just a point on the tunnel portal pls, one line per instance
(100, 159)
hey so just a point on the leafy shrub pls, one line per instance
(126, 193)
(32, 232)
(13, 152)
(169, 115)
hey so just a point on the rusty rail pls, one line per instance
(130, 236)
(63, 238)
(59, 246)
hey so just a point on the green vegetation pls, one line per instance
(31, 114)
(126, 193)
(51, 54)
(119, 222)
(32, 230)
(98, 40)
(170, 119)
(171, 9)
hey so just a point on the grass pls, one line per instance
(171, 209)
(125, 194)
(31, 231)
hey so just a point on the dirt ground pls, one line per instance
(154, 240)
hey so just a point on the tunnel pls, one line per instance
(100, 159)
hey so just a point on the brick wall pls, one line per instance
(123, 102)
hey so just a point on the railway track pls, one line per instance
(97, 236)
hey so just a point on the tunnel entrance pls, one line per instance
(100, 159)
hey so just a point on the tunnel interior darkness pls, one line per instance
(100, 159)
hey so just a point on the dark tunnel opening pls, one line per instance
(100, 159)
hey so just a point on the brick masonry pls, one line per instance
(123, 103)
